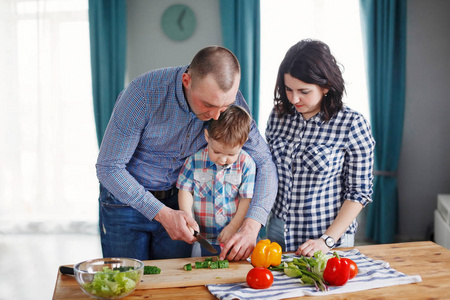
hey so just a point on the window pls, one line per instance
(337, 23)
(48, 149)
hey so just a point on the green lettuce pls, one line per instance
(111, 283)
(321, 260)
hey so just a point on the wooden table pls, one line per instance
(427, 259)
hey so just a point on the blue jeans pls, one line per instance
(125, 232)
(275, 233)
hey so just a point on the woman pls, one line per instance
(323, 151)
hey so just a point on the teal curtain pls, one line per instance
(108, 28)
(240, 22)
(384, 33)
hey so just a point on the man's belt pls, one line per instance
(164, 195)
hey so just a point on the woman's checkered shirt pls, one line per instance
(320, 164)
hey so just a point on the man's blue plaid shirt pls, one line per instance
(320, 165)
(151, 133)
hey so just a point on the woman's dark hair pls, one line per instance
(312, 62)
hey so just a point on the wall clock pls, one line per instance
(178, 22)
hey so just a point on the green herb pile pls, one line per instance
(308, 269)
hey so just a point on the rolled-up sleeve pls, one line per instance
(360, 162)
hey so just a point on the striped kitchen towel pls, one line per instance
(371, 274)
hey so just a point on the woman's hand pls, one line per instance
(348, 212)
(309, 247)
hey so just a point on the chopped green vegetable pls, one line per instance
(209, 263)
(188, 267)
(151, 270)
(214, 265)
(112, 283)
(223, 264)
(205, 264)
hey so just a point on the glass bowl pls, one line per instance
(109, 278)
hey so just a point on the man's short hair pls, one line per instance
(218, 61)
(232, 127)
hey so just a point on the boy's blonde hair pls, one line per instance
(232, 127)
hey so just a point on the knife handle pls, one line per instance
(66, 270)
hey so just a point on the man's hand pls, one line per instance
(309, 247)
(242, 243)
(178, 224)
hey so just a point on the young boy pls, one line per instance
(216, 183)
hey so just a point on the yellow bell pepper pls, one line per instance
(266, 254)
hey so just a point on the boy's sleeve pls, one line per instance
(248, 178)
(186, 177)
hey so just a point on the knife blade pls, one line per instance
(204, 242)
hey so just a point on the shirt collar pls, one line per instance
(179, 90)
(316, 119)
(209, 164)
(220, 168)
(206, 161)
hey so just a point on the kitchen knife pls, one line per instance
(204, 242)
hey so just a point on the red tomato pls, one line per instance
(353, 268)
(259, 278)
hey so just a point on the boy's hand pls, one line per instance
(242, 243)
(227, 233)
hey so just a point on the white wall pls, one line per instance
(424, 169)
(149, 48)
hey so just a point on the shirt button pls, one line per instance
(220, 219)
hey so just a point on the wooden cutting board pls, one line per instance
(173, 274)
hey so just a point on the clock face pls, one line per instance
(178, 22)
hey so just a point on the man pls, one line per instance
(158, 121)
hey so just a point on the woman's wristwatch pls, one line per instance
(329, 241)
